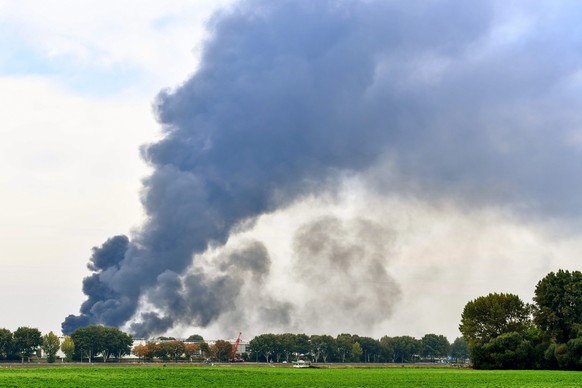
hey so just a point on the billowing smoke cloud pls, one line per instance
(201, 296)
(472, 99)
(342, 265)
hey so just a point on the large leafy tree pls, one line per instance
(387, 348)
(140, 351)
(195, 338)
(487, 317)
(91, 341)
(50, 345)
(370, 348)
(222, 350)
(190, 350)
(507, 351)
(26, 341)
(118, 343)
(6, 343)
(434, 346)
(322, 346)
(87, 341)
(288, 344)
(405, 347)
(263, 345)
(558, 305)
(344, 343)
(460, 349)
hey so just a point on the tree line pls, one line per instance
(503, 332)
(499, 330)
(99, 343)
(353, 348)
(85, 343)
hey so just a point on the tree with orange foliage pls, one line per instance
(222, 350)
(191, 350)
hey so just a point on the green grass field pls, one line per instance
(254, 376)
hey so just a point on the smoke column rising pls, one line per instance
(292, 94)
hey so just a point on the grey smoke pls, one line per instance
(461, 98)
(199, 298)
(343, 265)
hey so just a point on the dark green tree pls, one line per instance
(460, 349)
(387, 348)
(87, 341)
(302, 346)
(434, 346)
(263, 345)
(328, 347)
(507, 351)
(288, 344)
(487, 317)
(405, 347)
(26, 341)
(91, 341)
(344, 343)
(321, 346)
(370, 348)
(195, 338)
(6, 344)
(558, 305)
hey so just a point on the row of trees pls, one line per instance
(353, 348)
(503, 332)
(25, 342)
(87, 342)
(175, 350)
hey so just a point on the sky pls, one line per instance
(77, 85)
(321, 167)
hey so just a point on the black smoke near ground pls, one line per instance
(473, 99)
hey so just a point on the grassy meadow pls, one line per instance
(265, 376)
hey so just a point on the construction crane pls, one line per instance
(235, 350)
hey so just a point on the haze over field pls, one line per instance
(326, 167)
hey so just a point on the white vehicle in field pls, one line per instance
(301, 364)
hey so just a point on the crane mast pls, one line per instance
(235, 349)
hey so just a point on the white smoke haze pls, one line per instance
(354, 166)
(411, 265)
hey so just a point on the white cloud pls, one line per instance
(69, 161)
(161, 39)
(69, 173)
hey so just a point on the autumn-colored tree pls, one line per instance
(140, 351)
(190, 350)
(222, 350)
(68, 347)
(152, 351)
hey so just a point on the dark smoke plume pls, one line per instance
(458, 96)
